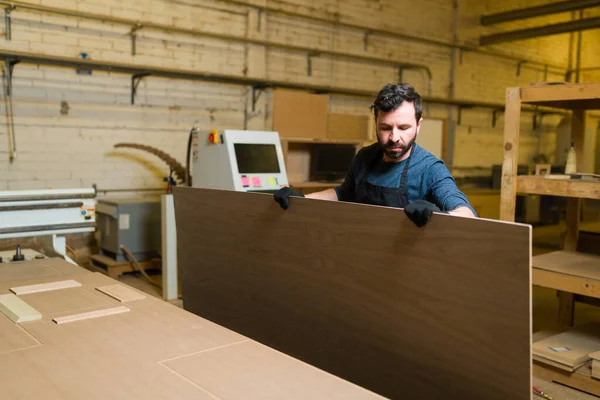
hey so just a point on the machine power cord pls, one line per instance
(75, 258)
(136, 265)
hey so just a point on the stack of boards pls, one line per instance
(572, 349)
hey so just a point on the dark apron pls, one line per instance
(368, 193)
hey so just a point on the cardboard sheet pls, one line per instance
(436, 312)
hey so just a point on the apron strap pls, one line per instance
(404, 176)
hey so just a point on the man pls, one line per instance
(395, 171)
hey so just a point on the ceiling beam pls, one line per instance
(572, 26)
(547, 9)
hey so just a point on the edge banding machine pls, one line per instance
(51, 213)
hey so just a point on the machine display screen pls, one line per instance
(256, 158)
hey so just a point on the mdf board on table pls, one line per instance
(170, 353)
(299, 114)
(441, 311)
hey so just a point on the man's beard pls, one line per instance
(393, 154)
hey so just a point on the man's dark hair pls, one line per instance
(392, 95)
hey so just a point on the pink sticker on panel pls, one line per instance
(245, 181)
(256, 181)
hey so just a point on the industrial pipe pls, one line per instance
(555, 29)
(538, 11)
(138, 25)
(388, 33)
(391, 34)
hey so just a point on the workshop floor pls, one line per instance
(545, 309)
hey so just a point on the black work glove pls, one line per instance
(420, 211)
(282, 196)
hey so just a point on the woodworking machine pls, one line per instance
(51, 214)
(245, 161)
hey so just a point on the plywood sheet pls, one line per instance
(441, 311)
(255, 364)
(16, 309)
(300, 114)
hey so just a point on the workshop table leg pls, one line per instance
(566, 308)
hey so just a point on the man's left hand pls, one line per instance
(420, 211)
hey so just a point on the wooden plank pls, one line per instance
(361, 292)
(567, 283)
(89, 315)
(578, 136)
(17, 310)
(574, 204)
(552, 187)
(568, 95)
(45, 287)
(121, 293)
(512, 127)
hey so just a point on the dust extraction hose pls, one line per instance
(136, 265)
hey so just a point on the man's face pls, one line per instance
(397, 130)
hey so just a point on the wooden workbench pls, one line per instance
(153, 351)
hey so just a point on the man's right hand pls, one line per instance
(282, 196)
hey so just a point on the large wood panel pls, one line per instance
(441, 311)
